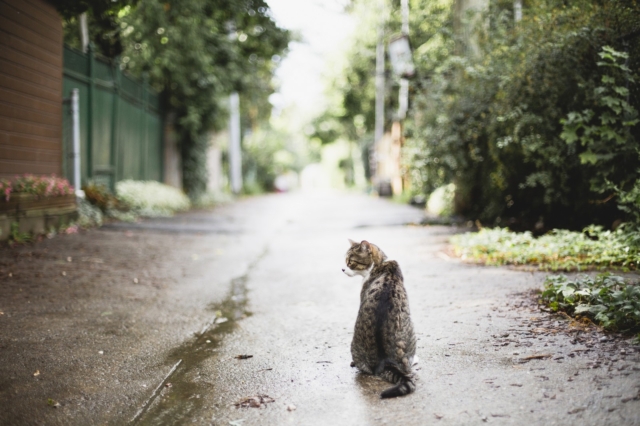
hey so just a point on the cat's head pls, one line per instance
(361, 257)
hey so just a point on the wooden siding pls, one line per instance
(30, 88)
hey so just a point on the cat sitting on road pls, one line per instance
(384, 343)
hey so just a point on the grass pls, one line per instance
(559, 250)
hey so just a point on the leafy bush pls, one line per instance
(607, 299)
(606, 133)
(42, 186)
(492, 123)
(100, 196)
(195, 53)
(441, 200)
(150, 198)
(487, 117)
(268, 153)
(89, 215)
(557, 250)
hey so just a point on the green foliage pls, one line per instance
(440, 201)
(268, 153)
(490, 121)
(102, 23)
(558, 250)
(150, 198)
(607, 299)
(196, 52)
(100, 196)
(89, 215)
(491, 124)
(606, 132)
(18, 237)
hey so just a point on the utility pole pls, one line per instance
(379, 106)
(235, 150)
(235, 153)
(403, 95)
(84, 32)
(517, 10)
(379, 125)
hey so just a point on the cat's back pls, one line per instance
(383, 328)
(385, 277)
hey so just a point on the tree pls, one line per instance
(196, 52)
(491, 122)
(102, 18)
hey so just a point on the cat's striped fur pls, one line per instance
(384, 343)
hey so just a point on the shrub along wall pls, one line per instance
(510, 129)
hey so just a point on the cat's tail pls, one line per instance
(404, 383)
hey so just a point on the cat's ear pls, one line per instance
(365, 245)
(353, 243)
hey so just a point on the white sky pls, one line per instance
(325, 29)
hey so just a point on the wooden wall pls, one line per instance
(30, 88)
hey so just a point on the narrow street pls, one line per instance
(178, 321)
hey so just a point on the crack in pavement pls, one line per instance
(179, 392)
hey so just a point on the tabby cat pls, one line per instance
(384, 343)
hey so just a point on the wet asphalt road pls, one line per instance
(261, 279)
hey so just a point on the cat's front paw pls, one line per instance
(353, 364)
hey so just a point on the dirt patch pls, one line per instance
(76, 312)
(613, 353)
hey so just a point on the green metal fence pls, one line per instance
(120, 122)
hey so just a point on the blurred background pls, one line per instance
(518, 113)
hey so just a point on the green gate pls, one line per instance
(120, 122)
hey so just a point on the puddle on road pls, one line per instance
(174, 404)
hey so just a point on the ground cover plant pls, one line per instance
(150, 198)
(606, 299)
(558, 250)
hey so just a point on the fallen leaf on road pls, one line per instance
(243, 356)
(530, 357)
(236, 422)
(254, 401)
(53, 403)
(438, 415)
(167, 385)
(577, 410)
(36, 374)
(291, 407)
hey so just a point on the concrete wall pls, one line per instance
(30, 88)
